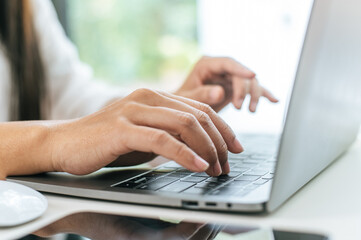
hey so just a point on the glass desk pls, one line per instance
(100, 226)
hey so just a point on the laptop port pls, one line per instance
(211, 204)
(189, 204)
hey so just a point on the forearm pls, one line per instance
(25, 148)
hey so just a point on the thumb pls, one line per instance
(209, 94)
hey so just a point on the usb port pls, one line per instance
(190, 204)
(211, 204)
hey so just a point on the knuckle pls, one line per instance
(232, 136)
(204, 119)
(181, 151)
(226, 128)
(205, 108)
(223, 149)
(187, 119)
(243, 94)
(129, 107)
(159, 137)
(142, 93)
(213, 155)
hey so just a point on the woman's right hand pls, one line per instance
(181, 129)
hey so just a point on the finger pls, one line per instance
(212, 157)
(267, 94)
(229, 138)
(184, 124)
(226, 132)
(147, 139)
(221, 65)
(221, 166)
(255, 95)
(208, 94)
(240, 90)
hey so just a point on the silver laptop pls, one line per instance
(322, 121)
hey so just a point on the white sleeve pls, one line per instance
(71, 90)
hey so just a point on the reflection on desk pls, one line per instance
(103, 226)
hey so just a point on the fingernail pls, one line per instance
(201, 164)
(253, 106)
(238, 145)
(217, 169)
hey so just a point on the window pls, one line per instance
(144, 43)
(265, 35)
(128, 42)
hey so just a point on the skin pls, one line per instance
(220, 81)
(183, 127)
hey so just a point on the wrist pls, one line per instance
(55, 146)
(26, 148)
(40, 148)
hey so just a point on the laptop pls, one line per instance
(322, 121)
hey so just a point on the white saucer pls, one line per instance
(19, 204)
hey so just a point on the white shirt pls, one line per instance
(71, 90)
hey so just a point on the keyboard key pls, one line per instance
(247, 165)
(268, 165)
(157, 184)
(268, 176)
(139, 180)
(240, 169)
(208, 184)
(178, 175)
(261, 156)
(260, 182)
(237, 157)
(127, 185)
(177, 187)
(256, 173)
(222, 179)
(201, 174)
(247, 178)
(155, 174)
(232, 164)
(185, 171)
(194, 179)
(252, 161)
(234, 173)
(237, 184)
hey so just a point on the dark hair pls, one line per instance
(27, 72)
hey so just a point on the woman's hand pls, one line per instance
(219, 81)
(181, 129)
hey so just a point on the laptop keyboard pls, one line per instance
(249, 170)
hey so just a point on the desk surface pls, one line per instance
(330, 204)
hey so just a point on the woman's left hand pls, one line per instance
(218, 81)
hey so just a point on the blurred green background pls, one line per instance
(129, 42)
